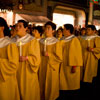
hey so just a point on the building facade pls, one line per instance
(96, 15)
(31, 10)
(34, 11)
(41, 11)
(71, 10)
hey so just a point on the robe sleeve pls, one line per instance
(96, 50)
(34, 55)
(75, 53)
(9, 66)
(56, 56)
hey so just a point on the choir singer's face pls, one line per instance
(20, 29)
(48, 31)
(66, 32)
(89, 31)
(36, 33)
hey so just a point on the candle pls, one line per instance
(20, 48)
(45, 45)
(88, 42)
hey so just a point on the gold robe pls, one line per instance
(90, 59)
(49, 69)
(8, 66)
(27, 71)
(72, 56)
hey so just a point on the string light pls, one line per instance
(94, 1)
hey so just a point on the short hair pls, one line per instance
(92, 27)
(3, 23)
(83, 29)
(60, 28)
(53, 25)
(25, 24)
(69, 27)
(39, 29)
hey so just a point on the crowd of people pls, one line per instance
(42, 63)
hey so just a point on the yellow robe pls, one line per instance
(90, 59)
(49, 71)
(9, 59)
(72, 56)
(27, 71)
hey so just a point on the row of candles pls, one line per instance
(20, 46)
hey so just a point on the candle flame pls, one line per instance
(20, 43)
(45, 41)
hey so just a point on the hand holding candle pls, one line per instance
(23, 58)
(89, 48)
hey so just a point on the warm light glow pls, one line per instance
(39, 24)
(96, 23)
(61, 19)
(18, 17)
(7, 15)
(10, 17)
(97, 27)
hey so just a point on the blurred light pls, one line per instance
(61, 19)
(7, 15)
(97, 27)
(20, 6)
(10, 17)
(10, 28)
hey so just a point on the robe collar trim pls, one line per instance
(49, 41)
(90, 37)
(69, 38)
(4, 41)
(25, 39)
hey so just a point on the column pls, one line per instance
(90, 18)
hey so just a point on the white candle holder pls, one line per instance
(20, 48)
(88, 42)
(45, 45)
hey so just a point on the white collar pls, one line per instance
(49, 40)
(4, 41)
(90, 37)
(38, 39)
(25, 39)
(69, 38)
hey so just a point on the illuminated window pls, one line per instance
(7, 15)
(61, 19)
